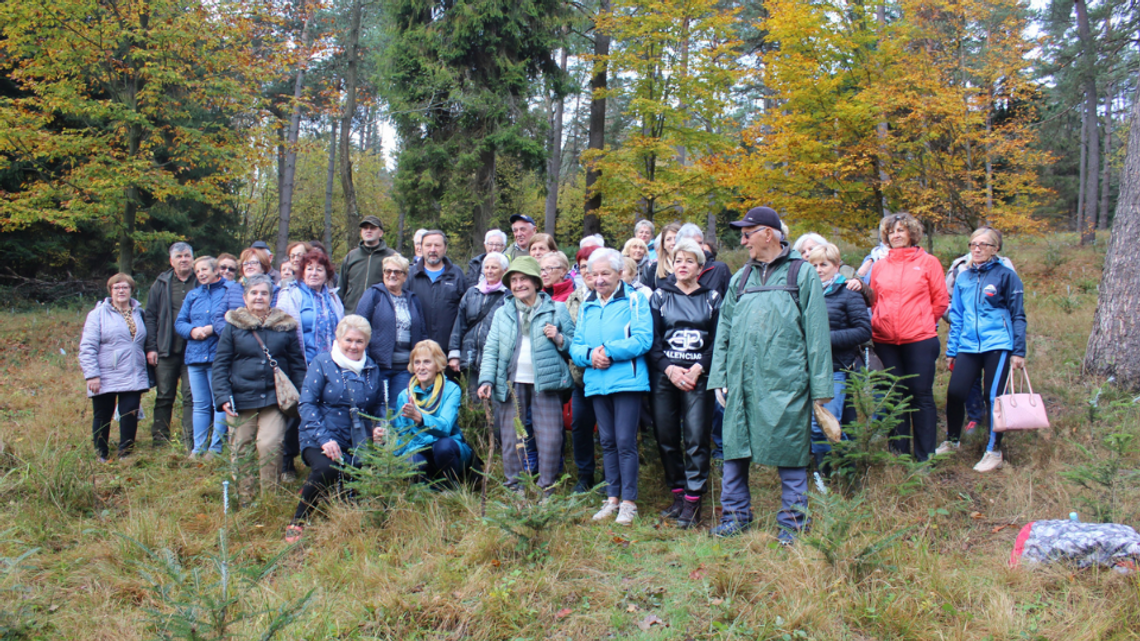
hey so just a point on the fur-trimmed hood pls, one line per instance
(277, 320)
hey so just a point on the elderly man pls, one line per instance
(165, 348)
(439, 284)
(417, 247)
(523, 227)
(493, 241)
(363, 267)
(771, 360)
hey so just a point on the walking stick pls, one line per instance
(490, 454)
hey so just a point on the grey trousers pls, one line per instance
(546, 416)
(167, 374)
(736, 498)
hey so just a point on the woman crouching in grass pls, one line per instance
(339, 386)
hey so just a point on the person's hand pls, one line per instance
(822, 401)
(409, 410)
(453, 363)
(855, 285)
(598, 358)
(93, 385)
(228, 410)
(197, 334)
(950, 363)
(332, 450)
(378, 434)
(484, 392)
(1017, 362)
(692, 374)
(676, 376)
(550, 331)
(721, 396)
(152, 358)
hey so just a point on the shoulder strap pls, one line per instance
(789, 286)
(272, 361)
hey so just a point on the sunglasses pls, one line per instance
(226, 268)
(749, 234)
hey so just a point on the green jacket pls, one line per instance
(573, 304)
(500, 352)
(362, 268)
(774, 358)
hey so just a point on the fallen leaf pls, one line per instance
(564, 612)
(697, 574)
(495, 562)
(53, 607)
(632, 607)
(649, 621)
(716, 601)
(976, 515)
(1000, 528)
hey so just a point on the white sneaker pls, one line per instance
(626, 514)
(608, 510)
(947, 447)
(991, 461)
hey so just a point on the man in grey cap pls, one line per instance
(523, 227)
(363, 267)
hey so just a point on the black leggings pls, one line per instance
(322, 476)
(919, 361)
(967, 367)
(103, 409)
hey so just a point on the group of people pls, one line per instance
(659, 335)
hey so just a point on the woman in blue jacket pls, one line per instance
(195, 323)
(613, 333)
(428, 423)
(987, 335)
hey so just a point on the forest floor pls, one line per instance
(136, 548)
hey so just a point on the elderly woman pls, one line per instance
(636, 249)
(295, 252)
(685, 315)
(428, 423)
(316, 308)
(987, 338)
(257, 338)
(524, 367)
(254, 261)
(113, 360)
(339, 386)
(556, 279)
(286, 270)
(493, 241)
(809, 241)
(910, 296)
(398, 324)
(228, 266)
(195, 323)
(541, 245)
(476, 312)
(644, 231)
(662, 266)
(614, 332)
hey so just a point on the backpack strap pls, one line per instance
(789, 286)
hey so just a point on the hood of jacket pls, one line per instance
(671, 287)
(277, 320)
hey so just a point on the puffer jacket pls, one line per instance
(296, 300)
(910, 296)
(684, 326)
(444, 423)
(501, 351)
(987, 312)
(476, 313)
(624, 326)
(198, 311)
(850, 324)
(376, 306)
(325, 401)
(241, 371)
(107, 350)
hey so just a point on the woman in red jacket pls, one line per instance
(910, 296)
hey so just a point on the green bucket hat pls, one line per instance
(527, 266)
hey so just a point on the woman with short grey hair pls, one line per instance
(473, 320)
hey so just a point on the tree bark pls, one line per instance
(1082, 167)
(1114, 345)
(597, 139)
(352, 71)
(289, 173)
(1092, 174)
(554, 161)
(1106, 176)
(130, 209)
(329, 178)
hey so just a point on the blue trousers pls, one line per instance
(443, 460)
(205, 417)
(735, 497)
(618, 416)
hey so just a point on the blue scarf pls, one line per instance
(324, 322)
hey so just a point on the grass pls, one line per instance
(435, 570)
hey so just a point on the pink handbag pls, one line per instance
(1019, 411)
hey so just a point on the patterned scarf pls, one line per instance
(128, 316)
(434, 396)
(324, 325)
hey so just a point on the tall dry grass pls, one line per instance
(436, 571)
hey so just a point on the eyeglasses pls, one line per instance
(981, 245)
(227, 268)
(749, 234)
(551, 269)
(394, 272)
(297, 255)
(251, 263)
(121, 287)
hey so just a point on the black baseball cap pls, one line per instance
(517, 217)
(371, 220)
(765, 216)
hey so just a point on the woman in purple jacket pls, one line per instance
(113, 359)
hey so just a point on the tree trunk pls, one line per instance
(130, 209)
(554, 162)
(1092, 177)
(289, 173)
(329, 178)
(352, 71)
(1082, 166)
(1106, 178)
(1114, 345)
(597, 139)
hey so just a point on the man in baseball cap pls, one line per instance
(363, 267)
(523, 227)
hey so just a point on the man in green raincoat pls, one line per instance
(772, 358)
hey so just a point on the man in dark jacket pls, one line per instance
(165, 348)
(439, 284)
(363, 267)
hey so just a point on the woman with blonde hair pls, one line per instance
(663, 266)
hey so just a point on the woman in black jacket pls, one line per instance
(243, 381)
(850, 328)
(398, 323)
(476, 311)
(684, 328)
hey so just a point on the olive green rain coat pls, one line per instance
(774, 357)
